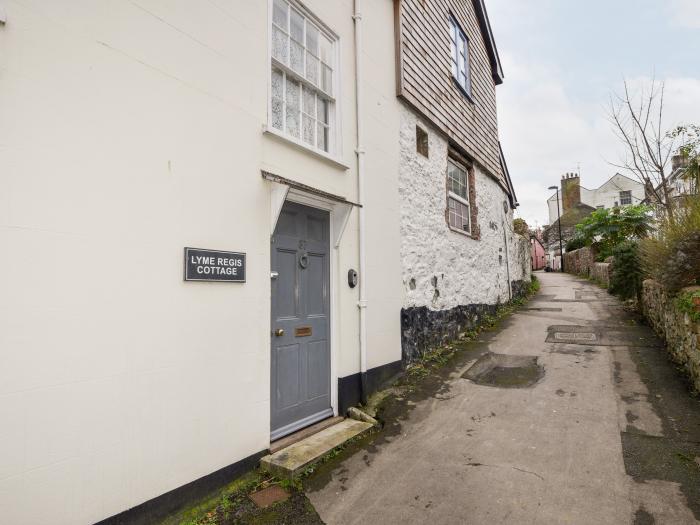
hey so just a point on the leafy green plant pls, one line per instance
(672, 257)
(521, 227)
(627, 275)
(575, 244)
(685, 302)
(604, 229)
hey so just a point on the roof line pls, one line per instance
(485, 24)
(509, 182)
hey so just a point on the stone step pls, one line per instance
(292, 460)
(303, 433)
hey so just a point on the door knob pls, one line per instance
(279, 332)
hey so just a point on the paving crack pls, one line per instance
(474, 464)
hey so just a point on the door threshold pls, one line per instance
(297, 436)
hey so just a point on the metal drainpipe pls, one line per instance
(360, 151)
(505, 244)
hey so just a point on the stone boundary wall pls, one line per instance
(601, 272)
(579, 262)
(681, 334)
(582, 262)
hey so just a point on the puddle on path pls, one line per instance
(505, 371)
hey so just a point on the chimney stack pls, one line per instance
(679, 161)
(570, 191)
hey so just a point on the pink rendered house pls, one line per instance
(537, 253)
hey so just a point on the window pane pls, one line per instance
(297, 57)
(322, 137)
(279, 13)
(457, 181)
(326, 51)
(277, 83)
(323, 110)
(312, 39)
(292, 112)
(296, 26)
(453, 31)
(308, 129)
(280, 45)
(311, 68)
(277, 108)
(326, 79)
(309, 102)
(458, 215)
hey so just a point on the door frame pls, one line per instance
(313, 201)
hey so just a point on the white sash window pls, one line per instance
(302, 105)
(458, 206)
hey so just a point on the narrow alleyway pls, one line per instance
(607, 434)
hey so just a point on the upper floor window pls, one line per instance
(460, 57)
(458, 205)
(625, 197)
(302, 104)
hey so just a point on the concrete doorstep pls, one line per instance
(291, 461)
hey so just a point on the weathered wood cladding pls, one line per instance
(424, 72)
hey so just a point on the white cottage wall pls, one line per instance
(129, 132)
(442, 268)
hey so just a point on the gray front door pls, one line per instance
(301, 375)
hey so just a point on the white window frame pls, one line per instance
(334, 141)
(459, 47)
(458, 198)
(628, 193)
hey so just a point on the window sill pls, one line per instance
(462, 232)
(333, 161)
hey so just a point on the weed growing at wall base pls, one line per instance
(689, 302)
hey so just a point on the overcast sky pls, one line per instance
(562, 59)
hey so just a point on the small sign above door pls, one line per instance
(214, 265)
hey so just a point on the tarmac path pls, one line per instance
(607, 434)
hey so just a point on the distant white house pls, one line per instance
(618, 190)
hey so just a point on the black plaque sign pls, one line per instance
(214, 265)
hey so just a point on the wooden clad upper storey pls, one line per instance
(432, 37)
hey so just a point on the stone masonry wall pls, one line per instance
(601, 272)
(579, 262)
(681, 334)
(450, 279)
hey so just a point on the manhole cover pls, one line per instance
(505, 371)
(269, 496)
(574, 336)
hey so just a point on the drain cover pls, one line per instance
(574, 336)
(505, 371)
(269, 496)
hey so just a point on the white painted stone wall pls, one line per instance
(443, 268)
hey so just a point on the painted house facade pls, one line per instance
(459, 254)
(538, 254)
(618, 190)
(148, 147)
